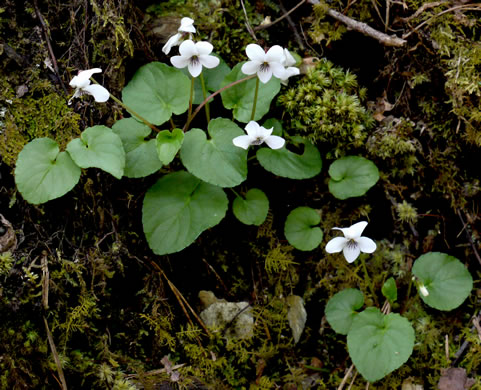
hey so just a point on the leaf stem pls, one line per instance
(369, 280)
(204, 92)
(118, 101)
(255, 100)
(199, 107)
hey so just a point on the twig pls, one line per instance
(469, 236)
(344, 380)
(292, 25)
(248, 25)
(285, 15)
(467, 7)
(423, 8)
(49, 45)
(352, 380)
(55, 355)
(363, 28)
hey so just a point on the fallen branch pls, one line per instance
(363, 28)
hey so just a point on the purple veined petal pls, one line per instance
(366, 244)
(355, 230)
(179, 61)
(335, 245)
(275, 54)
(100, 94)
(275, 142)
(255, 52)
(188, 49)
(264, 74)
(173, 41)
(253, 129)
(351, 252)
(209, 61)
(250, 67)
(204, 47)
(186, 25)
(242, 141)
(195, 67)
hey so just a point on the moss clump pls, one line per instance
(326, 106)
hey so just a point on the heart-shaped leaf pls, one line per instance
(389, 290)
(217, 160)
(156, 91)
(212, 78)
(240, 97)
(178, 208)
(378, 344)
(253, 209)
(168, 144)
(352, 176)
(285, 163)
(301, 230)
(43, 172)
(446, 279)
(341, 309)
(99, 147)
(140, 155)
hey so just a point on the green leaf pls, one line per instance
(212, 77)
(389, 290)
(300, 229)
(296, 316)
(379, 344)
(352, 176)
(341, 309)
(273, 123)
(156, 91)
(43, 172)
(282, 162)
(99, 147)
(240, 97)
(253, 209)
(178, 208)
(140, 155)
(168, 144)
(447, 280)
(217, 160)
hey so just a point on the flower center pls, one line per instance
(351, 244)
(194, 60)
(257, 141)
(264, 67)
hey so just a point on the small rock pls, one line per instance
(455, 378)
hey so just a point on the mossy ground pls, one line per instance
(112, 312)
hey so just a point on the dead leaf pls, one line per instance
(455, 378)
(296, 316)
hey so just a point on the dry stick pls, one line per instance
(363, 28)
(352, 380)
(249, 28)
(264, 26)
(292, 25)
(180, 298)
(199, 107)
(467, 7)
(49, 45)
(469, 236)
(423, 8)
(344, 380)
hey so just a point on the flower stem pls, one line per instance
(118, 101)
(199, 107)
(204, 92)
(255, 100)
(235, 193)
(191, 97)
(369, 280)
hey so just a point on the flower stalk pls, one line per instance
(204, 93)
(255, 100)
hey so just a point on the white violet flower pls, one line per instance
(186, 27)
(423, 290)
(264, 64)
(82, 85)
(194, 56)
(289, 70)
(352, 244)
(256, 135)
